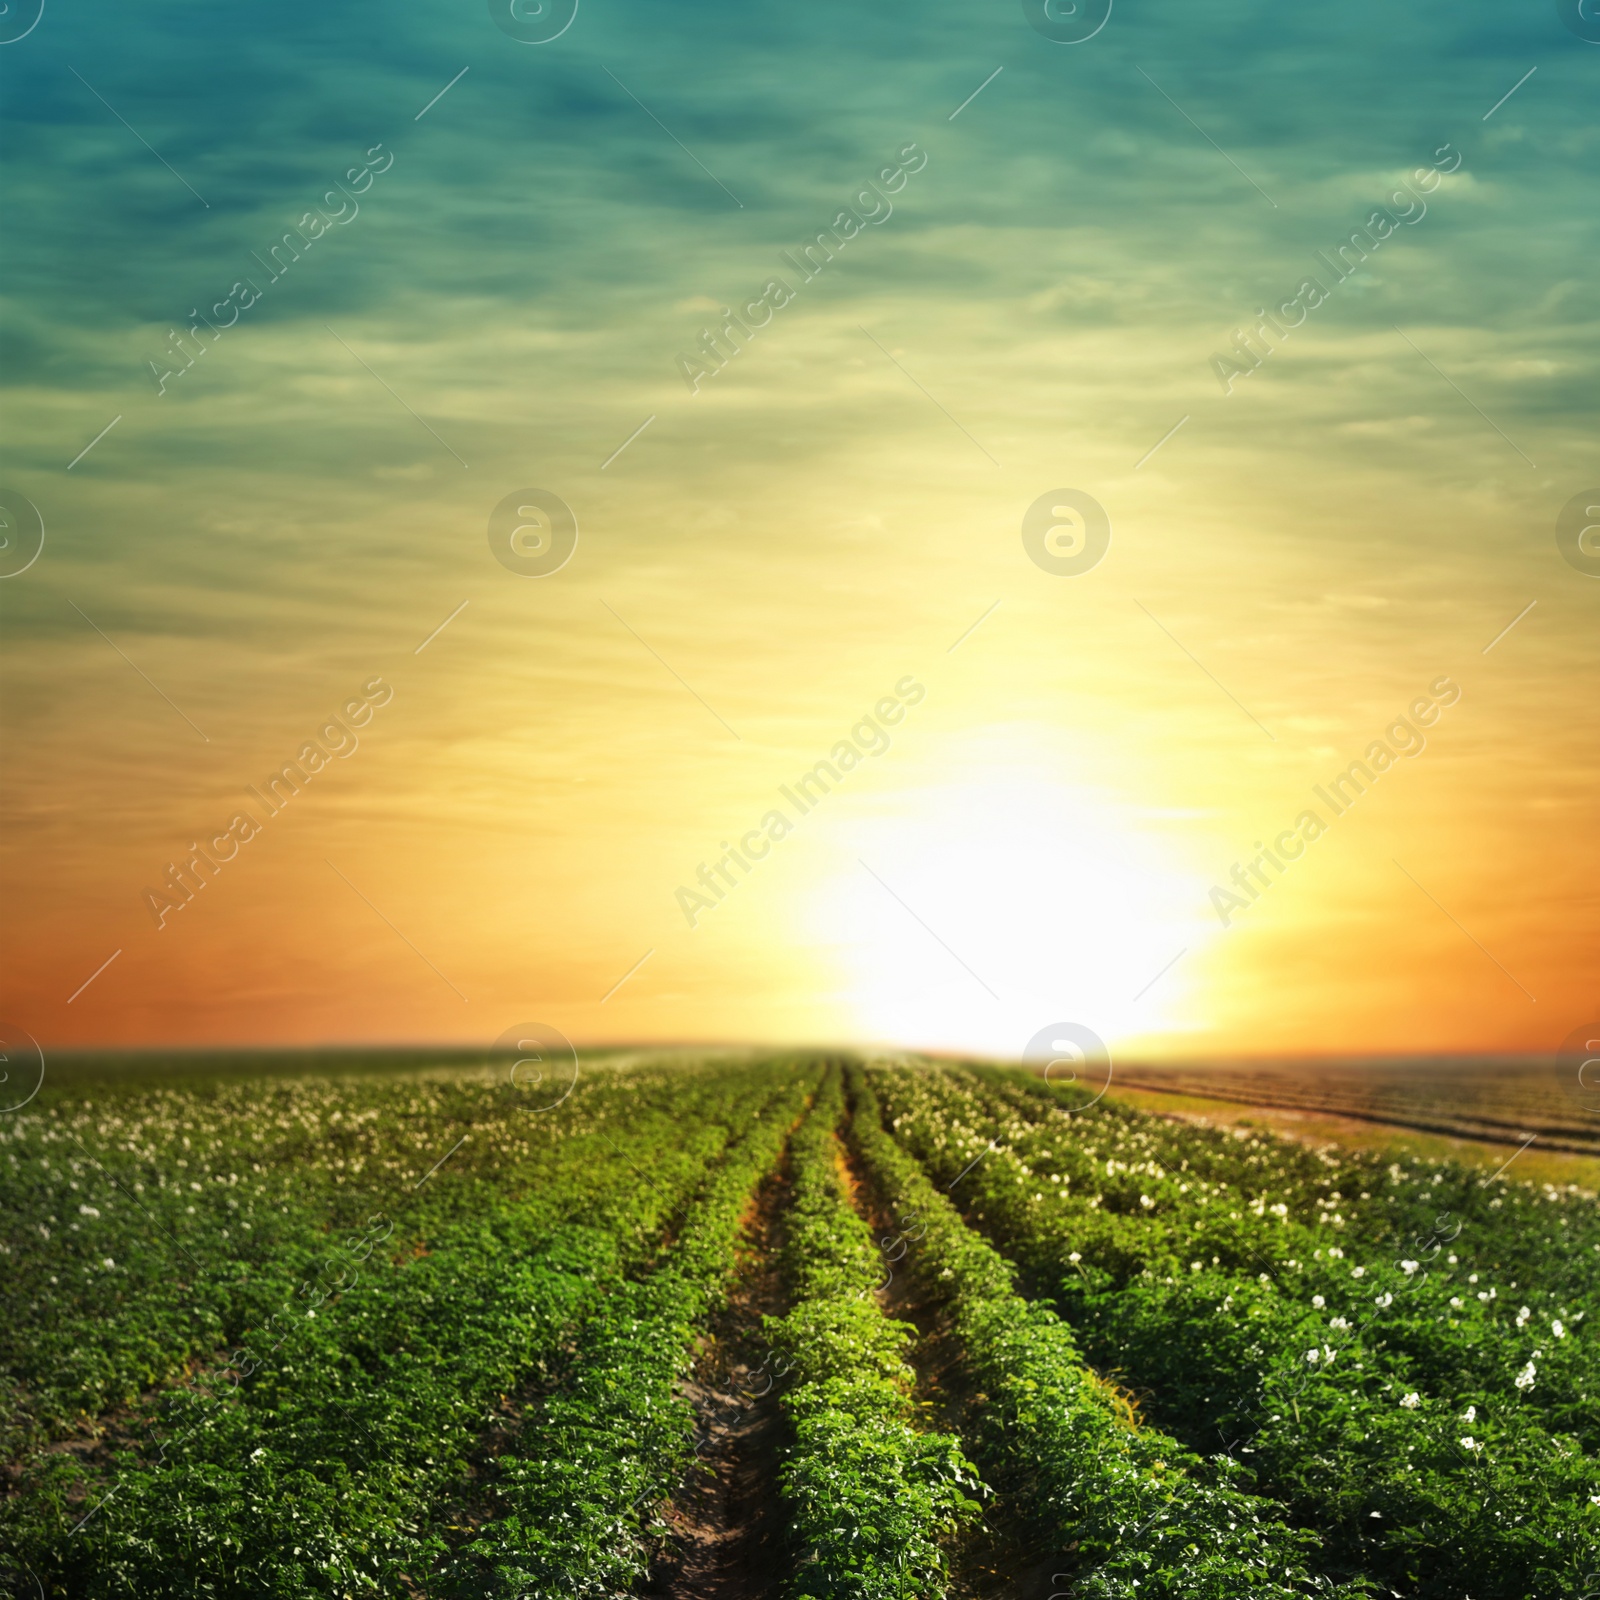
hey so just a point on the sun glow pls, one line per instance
(975, 913)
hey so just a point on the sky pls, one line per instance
(1075, 502)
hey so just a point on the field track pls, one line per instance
(782, 1326)
(1501, 1106)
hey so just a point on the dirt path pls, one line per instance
(996, 1561)
(1542, 1162)
(726, 1520)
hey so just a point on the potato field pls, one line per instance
(792, 1325)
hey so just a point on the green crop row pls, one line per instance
(1421, 1415)
(570, 1509)
(308, 1459)
(869, 1495)
(145, 1227)
(1163, 1189)
(1438, 1303)
(424, 1333)
(1144, 1518)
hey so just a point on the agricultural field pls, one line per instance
(787, 1325)
(1492, 1102)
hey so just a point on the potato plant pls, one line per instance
(1134, 1512)
(870, 1494)
(1425, 1399)
(415, 1331)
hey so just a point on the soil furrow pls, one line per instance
(726, 1524)
(995, 1561)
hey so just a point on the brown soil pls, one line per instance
(996, 1560)
(987, 1564)
(1536, 1163)
(726, 1539)
(96, 1441)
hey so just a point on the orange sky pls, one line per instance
(1038, 837)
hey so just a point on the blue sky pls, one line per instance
(1041, 309)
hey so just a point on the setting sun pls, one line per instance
(975, 912)
(798, 801)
